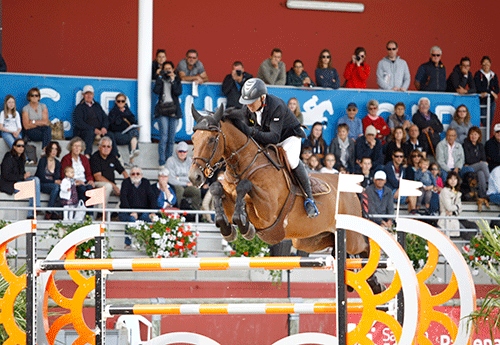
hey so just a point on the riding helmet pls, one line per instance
(252, 90)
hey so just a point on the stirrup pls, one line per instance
(311, 202)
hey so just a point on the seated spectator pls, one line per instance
(355, 125)
(365, 169)
(305, 153)
(413, 143)
(450, 204)
(161, 57)
(379, 198)
(475, 158)
(120, 118)
(414, 160)
(492, 149)
(49, 173)
(450, 154)
(103, 165)
(425, 176)
(36, 119)
(395, 170)
(294, 106)
(83, 174)
(372, 118)
(494, 186)
(164, 192)
(399, 119)
(369, 146)
(326, 74)
(296, 76)
(431, 76)
(461, 78)
(428, 124)
(168, 87)
(486, 82)
(397, 142)
(273, 71)
(392, 71)
(357, 71)
(13, 170)
(10, 121)
(191, 69)
(343, 148)
(232, 84)
(316, 141)
(91, 122)
(461, 123)
(314, 164)
(178, 165)
(329, 165)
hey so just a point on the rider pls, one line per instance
(273, 123)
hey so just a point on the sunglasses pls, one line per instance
(307, 151)
(34, 95)
(120, 101)
(135, 174)
(325, 56)
(436, 54)
(351, 109)
(107, 146)
(413, 156)
(19, 145)
(434, 169)
(392, 48)
(399, 156)
(373, 108)
(182, 151)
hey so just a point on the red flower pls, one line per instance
(185, 213)
(245, 253)
(176, 246)
(189, 233)
(476, 245)
(471, 257)
(88, 250)
(182, 240)
(233, 252)
(151, 226)
(181, 229)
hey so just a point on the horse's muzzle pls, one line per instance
(196, 177)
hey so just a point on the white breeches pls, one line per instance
(292, 147)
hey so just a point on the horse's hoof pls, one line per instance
(241, 221)
(250, 234)
(232, 236)
(221, 221)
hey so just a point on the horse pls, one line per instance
(255, 191)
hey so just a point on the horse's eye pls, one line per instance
(211, 140)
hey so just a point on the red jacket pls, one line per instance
(380, 125)
(67, 161)
(356, 76)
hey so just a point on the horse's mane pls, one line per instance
(234, 114)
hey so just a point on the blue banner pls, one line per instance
(62, 93)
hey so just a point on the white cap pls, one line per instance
(370, 130)
(88, 88)
(163, 172)
(182, 146)
(497, 127)
(380, 175)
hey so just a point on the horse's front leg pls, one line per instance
(240, 217)
(227, 230)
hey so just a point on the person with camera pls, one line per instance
(232, 84)
(167, 110)
(191, 69)
(392, 71)
(158, 62)
(357, 71)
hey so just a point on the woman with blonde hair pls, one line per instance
(10, 121)
(294, 106)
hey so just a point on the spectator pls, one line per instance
(305, 153)
(379, 198)
(36, 119)
(475, 158)
(372, 118)
(397, 142)
(329, 165)
(168, 87)
(158, 62)
(428, 180)
(178, 165)
(494, 186)
(392, 71)
(431, 76)
(343, 148)
(399, 119)
(3, 65)
(492, 149)
(450, 154)
(191, 69)
(121, 118)
(273, 71)
(413, 143)
(461, 123)
(103, 165)
(12, 171)
(486, 82)
(354, 123)
(414, 161)
(83, 174)
(68, 194)
(369, 146)
(296, 76)
(90, 122)
(461, 78)
(164, 192)
(49, 173)
(365, 169)
(294, 106)
(435, 171)
(10, 121)
(232, 84)
(326, 74)
(428, 124)
(314, 163)
(450, 204)
(316, 141)
(357, 71)
(395, 170)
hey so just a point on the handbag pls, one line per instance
(30, 151)
(57, 130)
(80, 212)
(167, 109)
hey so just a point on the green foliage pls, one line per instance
(19, 304)
(253, 248)
(417, 250)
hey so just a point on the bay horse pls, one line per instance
(254, 193)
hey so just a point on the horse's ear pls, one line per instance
(197, 116)
(218, 114)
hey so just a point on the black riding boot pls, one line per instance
(310, 205)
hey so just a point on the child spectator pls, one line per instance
(10, 121)
(425, 176)
(68, 194)
(329, 163)
(306, 154)
(314, 163)
(294, 106)
(450, 204)
(342, 146)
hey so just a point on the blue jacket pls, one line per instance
(375, 153)
(325, 77)
(392, 181)
(296, 80)
(431, 77)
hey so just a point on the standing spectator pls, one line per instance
(10, 121)
(343, 148)
(450, 154)
(435, 171)
(83, 174)
(296, 76)
(161, 57)
(369, 146)
(373, 119)
(326, 74)
(431, 76)
(178, 165)
(379, 198)
(354, 123)
(103, 164)
(392, 71)
(461, 78)
(3, 65)
(494, 186)
(450, 204)
(120, 118)
(357, 71)
(191, 69)
(428, 124)
(168, 87)
(395, 170)
(316, 141)
(273, 71)
(461, 123)
(413, 143)
(399, 118)
(68, 193)
(49, 173)
(232, 84)
(397, 142)
(164, 192)
(486, 82)
(492, 149)
(294, 106)
(36, 119)
(475, 158)
(329, 165)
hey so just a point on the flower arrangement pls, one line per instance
(481, 251)
(165, 237)
(243, 247)
(417, 250)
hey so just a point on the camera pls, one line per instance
(358, 58)
(239, 72)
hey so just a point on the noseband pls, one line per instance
(209, 169)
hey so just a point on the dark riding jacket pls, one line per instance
(278, 122)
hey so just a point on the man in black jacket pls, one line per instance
(232, 84)
(461, 78)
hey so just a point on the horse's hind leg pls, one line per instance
(227, 230)
(240, 217)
